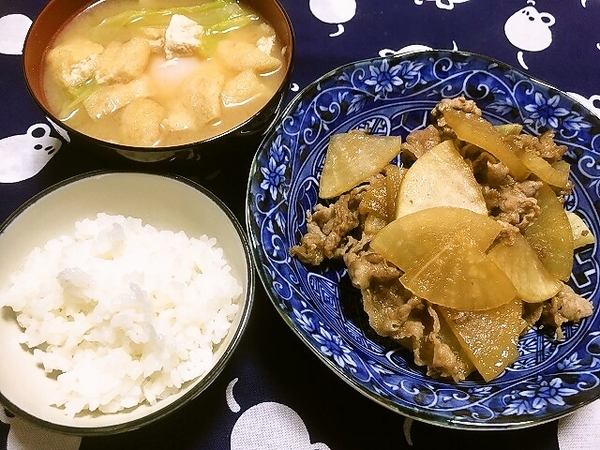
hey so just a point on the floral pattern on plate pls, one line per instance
(393, 96)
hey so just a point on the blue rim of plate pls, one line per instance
(550, 379)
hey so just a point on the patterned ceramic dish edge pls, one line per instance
(394, 95)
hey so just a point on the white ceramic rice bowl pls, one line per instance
(165, 202)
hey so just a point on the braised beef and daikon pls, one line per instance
(462, 247)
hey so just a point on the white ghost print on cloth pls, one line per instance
(335, 12)
(22, 156)
(529, 30)
(13, 29)
(26, 436)
(442, 4)
(268, 426)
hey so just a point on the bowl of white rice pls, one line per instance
(122, 297)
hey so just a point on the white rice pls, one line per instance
(123, 313)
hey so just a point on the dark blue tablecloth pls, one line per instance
(279, 385)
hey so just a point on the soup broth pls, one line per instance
(148, 73)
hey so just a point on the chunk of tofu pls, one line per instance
(123, 62)
(266, 44)
(182, 36)
(110, 98)
(141, 122)
(241, 88)
(268, 38)
(266, 30)
(202, 95)
(74, 63)
(240, 56)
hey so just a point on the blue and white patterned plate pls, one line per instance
(393, 96)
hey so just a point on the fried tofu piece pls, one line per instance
(110, 98)
(141, 122)
(179, 119)
(182, 36)
(156, 38)
(241, 88)
(202, 95)
(74, 63)
(123, 62)
(242, 56)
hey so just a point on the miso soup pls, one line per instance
(149, 73)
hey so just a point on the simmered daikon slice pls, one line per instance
(582, 235)
(393, 177)
(533, 282)
(488, 337)
(374, 200)
(352, 158)
(544, 170)
(440, 177)
(411, 241)
(480, 132)
(462, 277)
(550, 235)
(509, 129)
